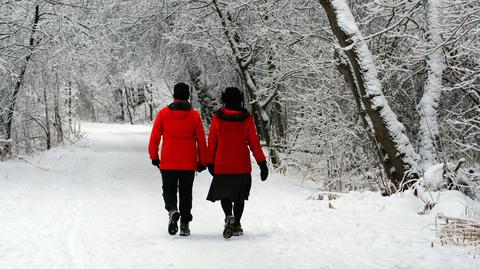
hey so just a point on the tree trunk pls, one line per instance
(428, 106)
(150, 101)
(400, 157)
(279, 121)
(58, 117)
(48, 134)
(69, 106)
(128, 105)
(21, 77)
(119, 97)
(277, 115)
(345, 69)
(207, 103)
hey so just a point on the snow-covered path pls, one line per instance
(100, 206)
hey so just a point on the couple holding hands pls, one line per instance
(184, 150)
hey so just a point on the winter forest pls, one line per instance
(368, 110)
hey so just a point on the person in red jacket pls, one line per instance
(231, 138)
(184, 150)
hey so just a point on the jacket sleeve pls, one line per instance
(254, 142)
(212, 141)
(155, 137)
(201, 142)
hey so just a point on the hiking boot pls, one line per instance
(184, 229)
(237, 230)
(228, 230)
(174, 216)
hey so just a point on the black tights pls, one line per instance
(237, 207)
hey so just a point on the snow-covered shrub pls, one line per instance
(451, 176)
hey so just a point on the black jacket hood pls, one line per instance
(180, 105)
(233, 117)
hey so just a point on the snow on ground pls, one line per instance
(99, 205)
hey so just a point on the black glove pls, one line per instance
(200, 167)
(156, 163)
(263, 170)
(211, 169)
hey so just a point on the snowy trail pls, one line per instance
(100, 206)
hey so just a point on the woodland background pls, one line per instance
(304, 65)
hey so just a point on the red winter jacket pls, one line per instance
(231, 135)
(184, 145)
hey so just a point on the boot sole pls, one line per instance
(237, 233)
(184, 234)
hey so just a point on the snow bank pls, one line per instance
(455, 204)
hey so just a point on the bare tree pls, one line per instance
(429, 104)
(243, 61)
(401, 160)
(21, 76)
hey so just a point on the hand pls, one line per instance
(156, 163)
(211, 169)
(263, 170)
(200, 167)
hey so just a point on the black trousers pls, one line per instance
(183, 181)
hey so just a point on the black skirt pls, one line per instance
(235, 187)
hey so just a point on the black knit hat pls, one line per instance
(181, 91)
(232, 96)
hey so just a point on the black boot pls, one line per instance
(237, 229)
(184, 229)
(228, 230)
(174, 216)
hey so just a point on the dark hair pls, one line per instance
(181, 91)
(232, 96)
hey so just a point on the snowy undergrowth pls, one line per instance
(100, 206)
